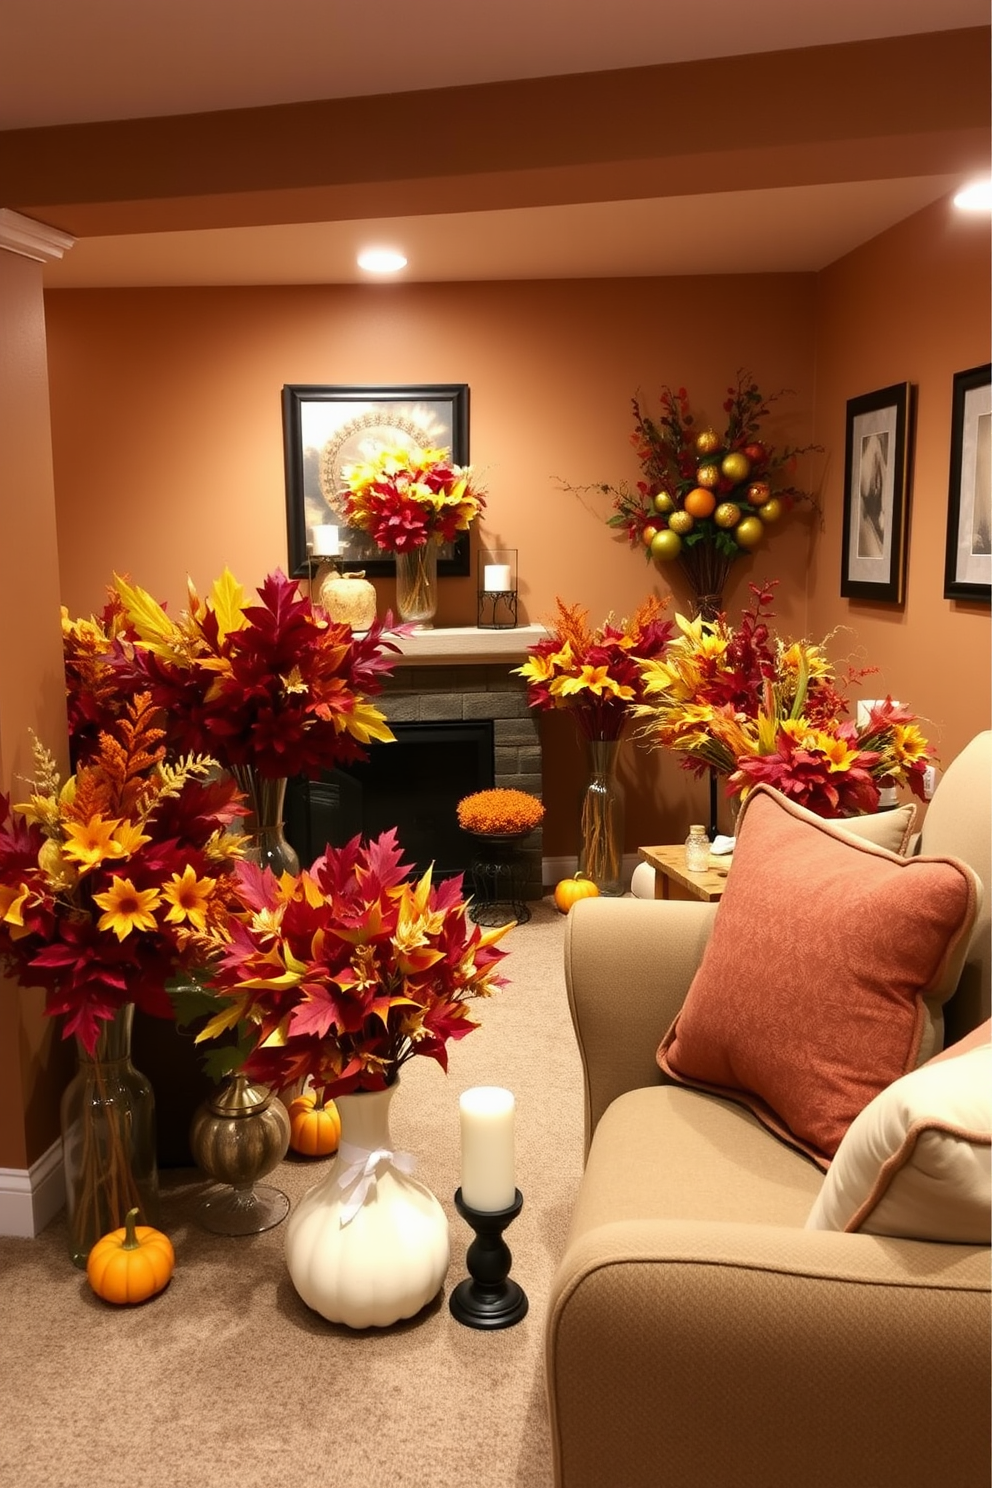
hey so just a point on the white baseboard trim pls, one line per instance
(30, 1197)
(554, 869)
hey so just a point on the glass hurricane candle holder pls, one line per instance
(497, 599)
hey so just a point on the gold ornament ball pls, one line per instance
(708, 442)
(708, 476)
(680, 522)
(666, 546)
(663, 502)
(758, 492)
(648, 534)
(771, 510)
(727, 514)
(736, 466)
(749, 531)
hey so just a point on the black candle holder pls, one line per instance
(489, 1299)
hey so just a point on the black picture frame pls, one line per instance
(326, 427)
(968, 560)
(876, 495)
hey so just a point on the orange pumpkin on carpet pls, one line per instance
(314, 1125)
(571, 889)
(131, 1264)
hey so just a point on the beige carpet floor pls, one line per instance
(228, 1378)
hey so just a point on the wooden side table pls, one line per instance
(669, 867)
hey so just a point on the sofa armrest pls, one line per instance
(693, 1354)
(628, 966)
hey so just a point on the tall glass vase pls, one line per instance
(601, 847)
(416, 584)
(108, 1140)
(264, 827)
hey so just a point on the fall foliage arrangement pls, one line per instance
(755, 708)
(117, 878)
(404, 498)
(274, 685)
(706, 498)
(594, 673)
(343, 972)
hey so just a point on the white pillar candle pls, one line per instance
(325, 541)
(488, 1181)
(496, 578)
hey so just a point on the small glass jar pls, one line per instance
(697, 850)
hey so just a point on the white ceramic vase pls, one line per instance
(368, 1245)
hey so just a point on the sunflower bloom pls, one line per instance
(908, 744)
(188, 898)
(93, 841)
(127, 908)
(834, 750)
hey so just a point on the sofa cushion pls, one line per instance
(915, 1162)
(811, 995)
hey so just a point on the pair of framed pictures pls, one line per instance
(328, 428)
(876, 478)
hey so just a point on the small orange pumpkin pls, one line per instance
(569, 890)
(314, 1125)
(131, 1264)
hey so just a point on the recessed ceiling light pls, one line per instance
(975, 198)
(381, 260)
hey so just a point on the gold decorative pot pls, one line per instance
(241, 1133)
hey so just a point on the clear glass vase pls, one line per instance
(264, 827)
(601, 847)
(416, 584)
(108, 1140)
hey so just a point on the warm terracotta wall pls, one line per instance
(913, 305)
(169, 453)
(33, 1064)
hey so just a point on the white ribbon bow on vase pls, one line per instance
(358, 1169)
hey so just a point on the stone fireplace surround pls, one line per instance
(463, 673)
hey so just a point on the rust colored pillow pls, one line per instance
(811, 995)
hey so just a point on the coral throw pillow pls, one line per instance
(915, 1162)
(812, 994)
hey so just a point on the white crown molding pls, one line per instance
(30, 1197)
(20, 234)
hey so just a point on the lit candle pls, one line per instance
(325, 541)
(496, 578)
(488, 1182)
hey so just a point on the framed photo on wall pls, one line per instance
(328, 428)
(968, 564)
(876, 473)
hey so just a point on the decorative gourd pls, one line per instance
(348, 598)
(131, 1264)
(314, 1125)
(569, 890)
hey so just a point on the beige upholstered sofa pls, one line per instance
(697, 1334)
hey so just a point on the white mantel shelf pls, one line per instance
(467, 645)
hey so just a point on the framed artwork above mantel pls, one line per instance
(327, 428)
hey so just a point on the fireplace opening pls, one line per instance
(414, 785)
